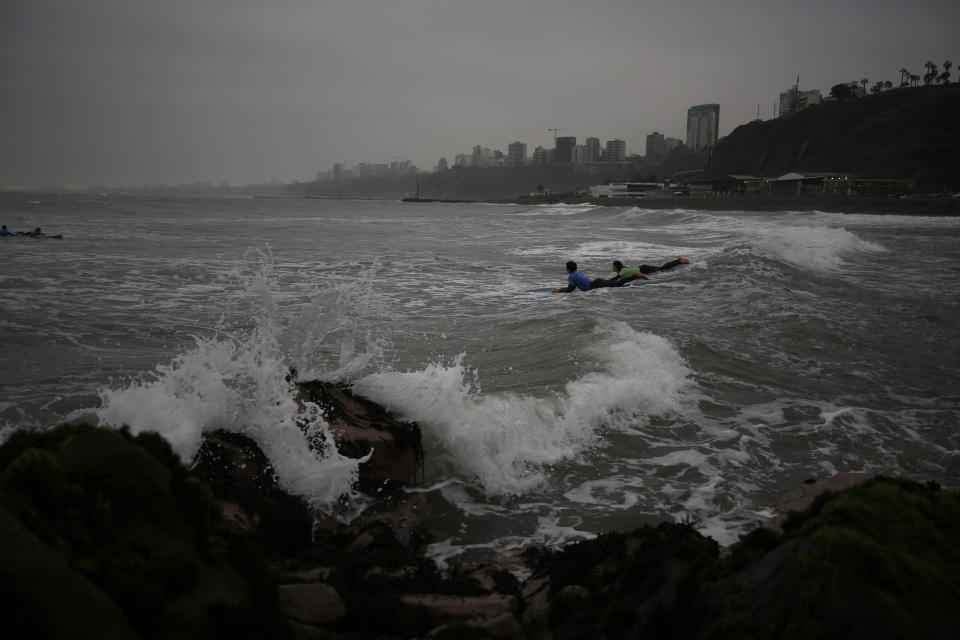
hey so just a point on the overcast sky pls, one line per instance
(129, 92)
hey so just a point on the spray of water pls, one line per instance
(239, 380)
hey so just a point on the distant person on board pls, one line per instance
(4, 232)
(36, 232)
(627, 274)
(576, 280)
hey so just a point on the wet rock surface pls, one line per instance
(107, 535)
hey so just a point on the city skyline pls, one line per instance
(249, 92)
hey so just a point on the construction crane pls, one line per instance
(555, 134)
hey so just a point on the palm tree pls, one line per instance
(904, 74)
(914, 79)
(946, 71)
(931, 73)
(887, 85)
(864, 82)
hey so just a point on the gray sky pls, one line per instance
(128, 92)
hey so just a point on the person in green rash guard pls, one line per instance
(626, 274)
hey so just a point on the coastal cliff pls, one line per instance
(899, 134)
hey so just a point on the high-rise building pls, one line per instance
(542, 156)
(516, 154)
(565, 149)
(615, 150)
(703, 122)
(592, 150)
(656, 146)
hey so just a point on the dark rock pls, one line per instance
(874, 561)
(245, 484)
(315, 604)
(109, 523)
(361, 427)
(444, 607)
(40, 591)
(800, 499)
(504, 626)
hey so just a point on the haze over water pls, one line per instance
(794, 345)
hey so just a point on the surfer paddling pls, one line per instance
(627, 274)
(576, 280)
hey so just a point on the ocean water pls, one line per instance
(794, 345)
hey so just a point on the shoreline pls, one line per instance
(932, 206)
(920, 206)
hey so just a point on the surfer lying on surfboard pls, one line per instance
(626, 274)
(577, 280)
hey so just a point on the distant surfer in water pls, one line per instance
(627, 274)
(576, 280)
(4, 232)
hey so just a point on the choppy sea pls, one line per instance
(794, 345)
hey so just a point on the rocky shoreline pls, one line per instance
(107, 535)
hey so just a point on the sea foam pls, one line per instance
(239, 380)
(814, 248)
(507, 442)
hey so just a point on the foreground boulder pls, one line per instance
(245, 484)
(878, 560)
(361, 427)
(105, 535)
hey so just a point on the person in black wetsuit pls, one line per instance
(576, 280)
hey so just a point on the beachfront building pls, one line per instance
(624, 189)
(615, 151)
(703, 124)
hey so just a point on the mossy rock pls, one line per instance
(876, 561)
(120, 524)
